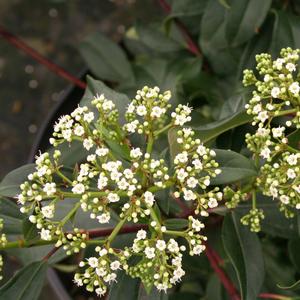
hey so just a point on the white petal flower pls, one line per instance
(112, 197)
(149, 252)
(78, 188)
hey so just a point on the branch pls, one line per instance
(15, 41)
(191, 45)
(215, 262)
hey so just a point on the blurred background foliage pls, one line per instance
(198, 49)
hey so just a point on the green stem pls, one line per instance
(70, 214)
(176, 233)
(254, 199)
(116, 230)
(154, 217)
(167, 127)
(63, 177)
(286, 112)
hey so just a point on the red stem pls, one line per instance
(15, 41)
(51, 252)
(215, 262)
(191, 45)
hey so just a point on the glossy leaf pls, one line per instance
(187, 8)
(294, 250)
(106, 59)
(156, 40)
(212, 130)
(10, 185)
(26, 284)
(11, 216)
(126, 288)
(244, 19)
(176, 224)
(234, 167)
(244, 252)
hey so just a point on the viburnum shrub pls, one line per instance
(164, 197)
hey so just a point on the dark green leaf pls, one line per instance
(244, 251)
(282, 33)
(26, 284)
(176, 224)
(11, 216)
(294, 250)
(244, 19)
(30, 231)
(154, 294)
(126, 288)
(234, 167)
(10, 185)
(212, 130)
(106, 59)
(156, 40)
(187, 8)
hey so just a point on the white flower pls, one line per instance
(110, 277)
(45, 234)
(278, 63)
(207, 181)
(130, 108)
(192, 182)
(262, 132)
(275, 92)
(189, 195)
(201, 150)
(101, 272)
(78, 188)
(112, 197)
(177, 261)
(149, 198)
(89, 117)
(157, 112)
(178, 273)
(284, 199)
(173, 246)
(131, 127)
(278, 131)
(291, 174)
(181, 174)
(257, 108)
(48, 211)
(292, 159)
(161, 245)
(265, 153)
(149, 252)
(49, 188)
(123, 184)
(102, 181)
(104, 218)
(197, 225)
(291, 67)
(128, 173)
(93, 262)
(198, 249)
(212, 202)
(100, 291)
(115, 265)
(141, 110)
(181, 157)
(263, 116)
(141, 234)
(102, 151)
(294, 88)
(136, 153)
(297, 188)
(108, 105)
(78, 130)
(88, 143)
(198, 164)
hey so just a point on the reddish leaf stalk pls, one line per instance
(191, 45)
(50, 253)
(215, 262)
(18, 43)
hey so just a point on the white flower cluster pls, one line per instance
(147, 111)
(99, 271)
(194, 167)
(106, 183)
(277, 94)
(281, 181)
